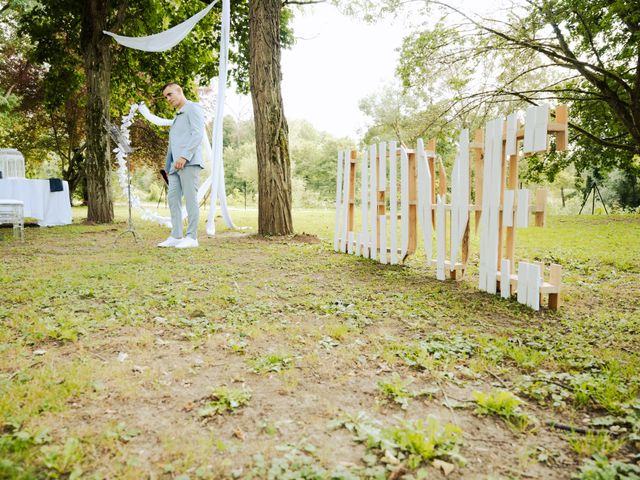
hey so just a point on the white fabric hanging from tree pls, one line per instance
(168, 39)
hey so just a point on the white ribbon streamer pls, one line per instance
(159, 42)
(217, 168)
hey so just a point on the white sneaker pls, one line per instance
(170, 242)
(187, 242)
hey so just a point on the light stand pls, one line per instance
(593, 190)
(123, 143)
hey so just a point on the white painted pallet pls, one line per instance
(393, 201)
(523, 208)
(507, 208)
(364, 202)
(404, 202)
(512, 131)
(460, 194)
(535, 129)
(440, 238)
(373, 203)
(505, 278)
(338, 221)
(490, 206)
(424, 200)
(345, 201)
(383, 238)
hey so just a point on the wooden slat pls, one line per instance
(393, 201)
(337, 231)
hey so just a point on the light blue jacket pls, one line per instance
(185, 137)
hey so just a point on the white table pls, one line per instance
(49, 208)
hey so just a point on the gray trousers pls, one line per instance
(184, 182)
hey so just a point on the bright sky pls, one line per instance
(335, 62)
(338, 60)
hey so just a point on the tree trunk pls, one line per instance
(272, 132)
(97, 66)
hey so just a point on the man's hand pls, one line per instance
(180, 163)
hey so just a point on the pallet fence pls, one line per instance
(401, 188)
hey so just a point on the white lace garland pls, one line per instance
(145, 213)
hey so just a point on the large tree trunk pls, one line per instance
(272, 133)
(97, 65)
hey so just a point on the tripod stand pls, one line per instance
(593, 191)
(122, 142)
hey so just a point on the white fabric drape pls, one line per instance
(217, 169)
(166, 40)
(162, 41)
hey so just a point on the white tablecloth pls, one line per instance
(49, 208)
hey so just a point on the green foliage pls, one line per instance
(504, 404)
(224, 400)
(294, 464)
(413, 444)
(396, 390)
(601, 468)
(271, 363)
(313, 161)
(593, 443)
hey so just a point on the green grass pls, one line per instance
(338, 332)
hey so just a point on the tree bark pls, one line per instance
(272, 132)
(97, 66)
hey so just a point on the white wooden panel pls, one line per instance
(460, 196)
(523, 280)
(424, 200)
(364, 204)
(512, 127)
(337, 227)
(404, 202)
(523, 208)
(350, 246)
(440, 236)
(533, 286)
(542, 122)
(383, 238)
(507, 213)
(490, 206)
(505, 278)
(345, 204)
(529, 129)
(382, 170)
(373, 203)
(393, 201)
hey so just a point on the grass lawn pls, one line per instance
(278, 358)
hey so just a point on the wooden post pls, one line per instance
(413, 203)
(431, 161)
(541, 207)
(555, 279)
(477, 152)
(352, 192)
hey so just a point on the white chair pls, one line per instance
(12, 211)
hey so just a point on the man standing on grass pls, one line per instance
(183, 165)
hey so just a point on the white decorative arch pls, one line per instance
(164, 41)
(217, 174)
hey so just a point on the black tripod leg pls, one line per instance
(586, 198)
(601, 200)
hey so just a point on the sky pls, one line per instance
(338, 60)
(335, 62)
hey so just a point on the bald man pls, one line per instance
(183, 164)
